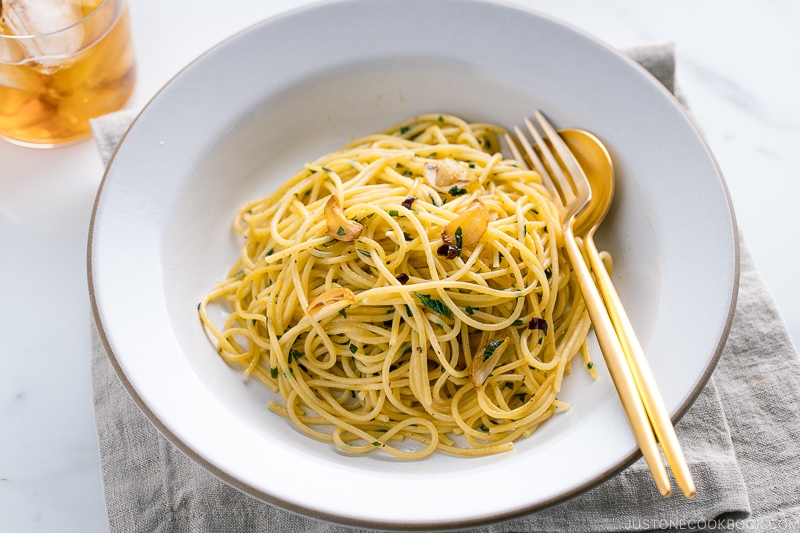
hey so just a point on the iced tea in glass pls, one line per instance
(62, 62)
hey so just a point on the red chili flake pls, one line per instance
(447, 250)
(538, 323)
(408, 201)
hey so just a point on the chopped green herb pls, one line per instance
(517, 322)
(353, 348)
(436, 305)
(326, 169)
(455, 190)
(407, 172)
(340, 231)
(273, 372)
(270, 252)
(343, 312)
(364, 252)
(393, 212)
(491, 347)
(470, 310)
(404, 130)
(377, 444)
(406, 236)
(441, 118)
(459, 239)
(590, 365)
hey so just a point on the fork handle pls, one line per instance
(617, 365)
(642, 374)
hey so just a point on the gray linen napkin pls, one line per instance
(741, 437)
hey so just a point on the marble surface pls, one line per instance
(738, 63)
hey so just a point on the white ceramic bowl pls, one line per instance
(248, 113)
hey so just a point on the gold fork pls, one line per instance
(570, 189)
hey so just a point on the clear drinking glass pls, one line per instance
(62, 62)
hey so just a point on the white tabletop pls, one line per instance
(738, 63)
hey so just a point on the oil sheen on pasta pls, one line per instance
(374, 318)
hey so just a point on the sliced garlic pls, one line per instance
(443, 174)
(473, 221)
(339, 226)
(330, 302)
(485, 360)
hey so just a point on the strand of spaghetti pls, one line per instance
(294, 249)
(345, 425)
(431, 443)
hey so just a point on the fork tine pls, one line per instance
(536, 161)
(556, 173)
(515, 153)
(578, 179)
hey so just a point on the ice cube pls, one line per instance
(21, 78)
(41, 18)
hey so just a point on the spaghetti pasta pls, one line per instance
(406, 293)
